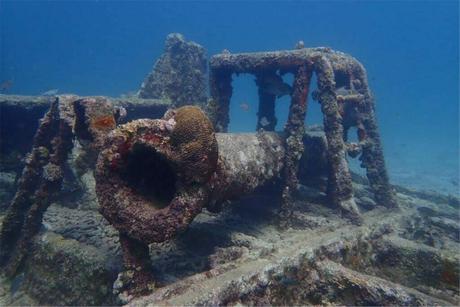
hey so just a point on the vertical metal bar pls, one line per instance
(220, 83)
(372, 153)
(295, 129)
(340, 189)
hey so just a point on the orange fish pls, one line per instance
(244, 106)
(6, 85)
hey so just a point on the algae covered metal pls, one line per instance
(351, 106)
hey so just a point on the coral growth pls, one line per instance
(194, 144)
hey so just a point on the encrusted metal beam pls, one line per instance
(253, 62)
(91, 119)
(340, 189)
(362, 115)
(345, 102)
(221, 92)
(295, 129)
(154, 176)
(41, 178)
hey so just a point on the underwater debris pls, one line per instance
(43, 173)
(335, 71)
(266, 113)
(40, 180)
(294, 129)
(151, 182)
(327, 262)
(179, 75)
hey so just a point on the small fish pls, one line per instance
(50, 92)
(274, 84)
(6, 85)
(264, 121)
(300, 45)
(120, 114)
(244, 106)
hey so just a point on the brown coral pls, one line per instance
(194, 143)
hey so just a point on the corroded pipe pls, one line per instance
(155, 176)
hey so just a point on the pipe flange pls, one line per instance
(150, 174)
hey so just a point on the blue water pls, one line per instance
(410, 49)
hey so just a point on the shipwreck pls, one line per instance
(148, 200)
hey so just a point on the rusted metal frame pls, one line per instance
(44, 169)
(369, 144)
(220, 81)
(372, 152)
(29, 182)
(294, 130)
(256, 61)
(43, 174)
(340, 188)
(223, 65)
(137, 278)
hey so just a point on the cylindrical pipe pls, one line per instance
(246, 162)
(151, 177)
(155, 176)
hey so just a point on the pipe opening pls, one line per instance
(150, 175)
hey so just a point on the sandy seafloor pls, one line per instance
(419, 171)
(438, 175)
